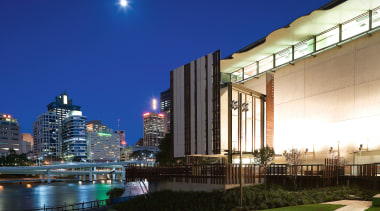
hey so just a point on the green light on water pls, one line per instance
(104, 134)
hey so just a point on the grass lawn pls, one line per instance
(311, 207)
(373, 209)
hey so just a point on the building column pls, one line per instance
(90, 175)
(94, 174)
(48, 176)
(84, 177)
(123, 173)
(114, 173)
(43, 178)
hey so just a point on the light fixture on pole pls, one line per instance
(242, 107)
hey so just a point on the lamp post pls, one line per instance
(242, 107)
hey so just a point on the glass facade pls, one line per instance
(74, 136)
(339, 33)
(250, 135)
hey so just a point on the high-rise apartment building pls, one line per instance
(74, 136)
(153, 129)
(10, 137)
(103, 144)
(47, 136)
(165, 109)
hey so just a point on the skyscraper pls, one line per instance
(153, 129)
(103, 144)
(121, 134)
(62, 106)
(165, 109)
(47, 136)
(74, 136)
(10, 137)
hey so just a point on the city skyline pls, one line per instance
(97, 52)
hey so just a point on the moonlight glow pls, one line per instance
(123, 3)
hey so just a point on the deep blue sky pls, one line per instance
(113, 62)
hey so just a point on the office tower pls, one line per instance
(10, 137)
(165, 109)
(74, 136)
(47, 135)
(121, 134)
(62, 106)
(103, 144)
(153, 129)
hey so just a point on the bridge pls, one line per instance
(84, 169)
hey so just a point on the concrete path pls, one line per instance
(352, 205)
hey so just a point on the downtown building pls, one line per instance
(103, 144)
(10, 136)
(47, 130)
(153, 129)
(313, 85)
(165, 105)
(74, 143)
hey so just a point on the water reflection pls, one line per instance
(21, 197)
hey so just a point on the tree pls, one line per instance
(163, 157)
(263, 155)
(77, 159)
(294, 159)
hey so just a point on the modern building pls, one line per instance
(312, 85)
(153, 129)
(74, 143)
(103, 144)
(62, 106)
(27, 144)
(48, 141)
(28, 138)
(121, 134)
(165, 109)
(10, 136)
(46, 136)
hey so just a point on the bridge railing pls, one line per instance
(78, 206)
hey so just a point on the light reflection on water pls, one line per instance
(20, 197)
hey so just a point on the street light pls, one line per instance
(242, 107)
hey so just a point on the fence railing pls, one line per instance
(251, 173)
(358, 170)
(78, 206)
(201, 173)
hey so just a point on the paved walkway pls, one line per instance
(352, 205)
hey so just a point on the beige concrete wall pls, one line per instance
(330, 99)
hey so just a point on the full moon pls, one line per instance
(123, 3)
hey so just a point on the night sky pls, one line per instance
(113, 61)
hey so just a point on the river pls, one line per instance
(36, 195)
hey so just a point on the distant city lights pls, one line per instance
(146, 114)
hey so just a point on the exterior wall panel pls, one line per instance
(193, 103)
